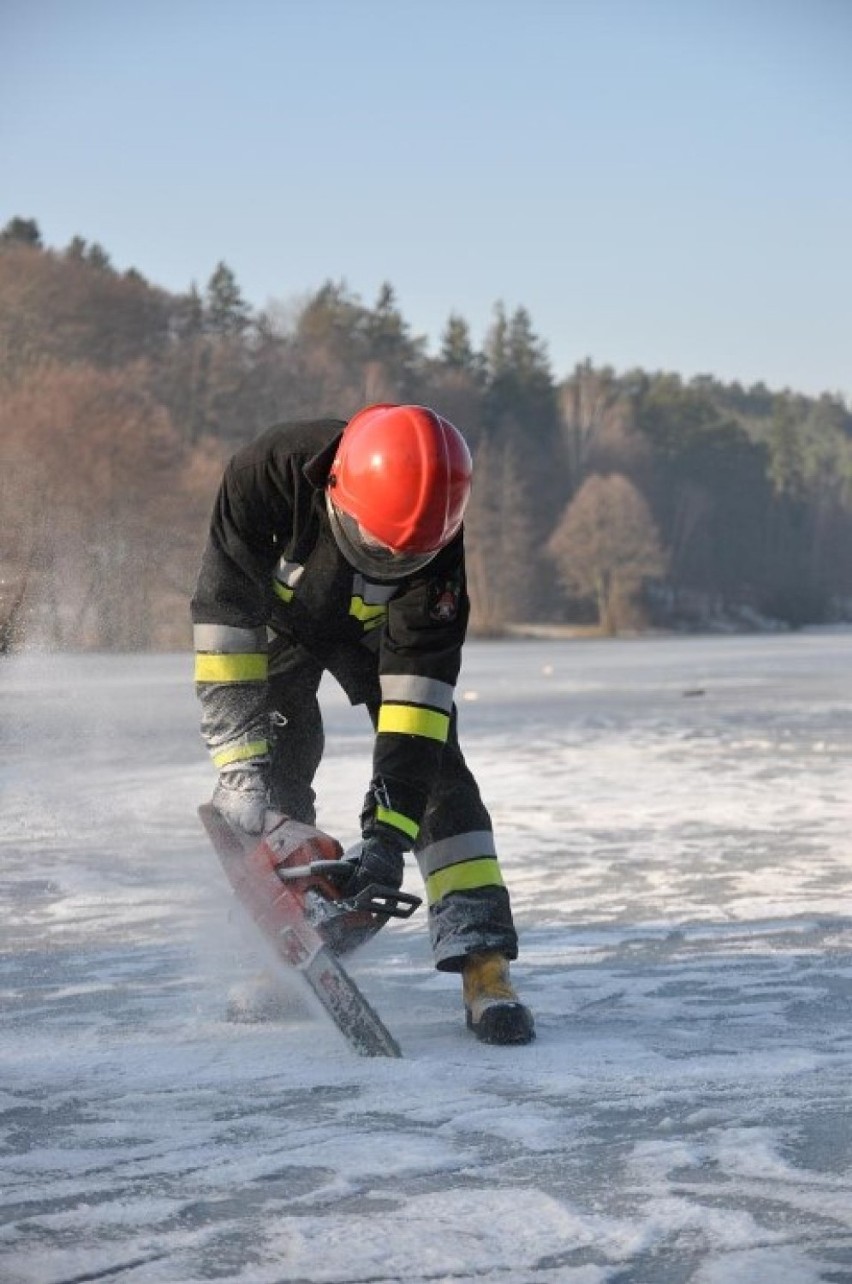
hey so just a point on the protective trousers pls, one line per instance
(469, 907)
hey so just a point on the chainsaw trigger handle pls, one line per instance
(386, 901)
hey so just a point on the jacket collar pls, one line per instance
(317, 469)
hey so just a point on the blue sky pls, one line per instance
(664, 183)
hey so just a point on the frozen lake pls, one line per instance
(674, 819)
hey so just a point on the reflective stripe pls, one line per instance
(464, 877)
(231, 668)
(370, 592)
(289, 572)
(408, 720)
(369, 602)
(414, 690)
(286, 577)
(370, 616)
(239, 753)
(225, 637)
(474, 845)
(398, 821)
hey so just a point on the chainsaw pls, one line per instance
(292, 881)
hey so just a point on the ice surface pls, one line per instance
(674, 819)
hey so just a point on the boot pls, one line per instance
(492, 1008)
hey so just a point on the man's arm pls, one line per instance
(420, 662)
(230, 609)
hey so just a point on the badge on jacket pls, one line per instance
(444, 600)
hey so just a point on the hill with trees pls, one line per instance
(622, 500)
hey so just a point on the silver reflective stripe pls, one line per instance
(452, 851)
(289, 573)
(407, 689)
(372, 594)
(227, 640)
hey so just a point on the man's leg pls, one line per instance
(470, 917)
(469, 907)
(297, 738)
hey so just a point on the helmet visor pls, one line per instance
(367, 554)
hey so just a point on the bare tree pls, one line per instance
(606, 545)
(102, 510)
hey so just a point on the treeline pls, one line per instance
(616, 500)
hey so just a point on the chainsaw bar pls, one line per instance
(283, 909)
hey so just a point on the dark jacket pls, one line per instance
(271, 563)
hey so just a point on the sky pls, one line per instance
(660, 183)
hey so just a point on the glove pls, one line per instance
(242, 795)
(377, 859)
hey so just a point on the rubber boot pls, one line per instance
(493, 1010)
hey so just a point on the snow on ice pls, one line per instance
(674, 818)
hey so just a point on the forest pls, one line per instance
(608, 502)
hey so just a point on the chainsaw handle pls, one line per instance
(386, 901)
(374, 899)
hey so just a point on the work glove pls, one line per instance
(242, 795)
(377, 859)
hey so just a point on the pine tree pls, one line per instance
(227, 312)
(21, 231)
(390, 344)
(456, 348)
(76, 249)
(97, 257)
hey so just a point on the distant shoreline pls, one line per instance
(591, 633)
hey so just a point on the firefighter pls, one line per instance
(338, 547)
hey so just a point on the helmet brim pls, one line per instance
(374, 560)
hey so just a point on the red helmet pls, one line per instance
(398, 488)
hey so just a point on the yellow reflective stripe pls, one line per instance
(367, 614)
(240, 753)
(409, 720)
(282, 590)
(231, 668)
(398, 821)
(464, 877)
